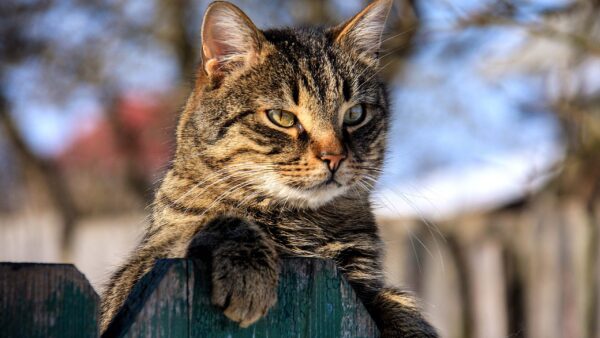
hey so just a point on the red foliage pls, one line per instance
(142, 134)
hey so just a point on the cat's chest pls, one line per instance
(302, 233)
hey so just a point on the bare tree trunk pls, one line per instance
(50, 174)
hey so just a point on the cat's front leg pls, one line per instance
(245, 267)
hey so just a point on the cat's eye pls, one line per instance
(354, 115)
(281, 118)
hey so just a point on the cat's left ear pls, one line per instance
(363, 31)
(229, 39)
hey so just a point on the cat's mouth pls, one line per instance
(313, 195)
(321, 192)
(328, 182)
(331, 182)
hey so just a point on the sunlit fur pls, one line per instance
(236, 172)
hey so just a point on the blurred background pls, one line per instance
(490, 205)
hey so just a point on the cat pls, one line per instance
(278, 147)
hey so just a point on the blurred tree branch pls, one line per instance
(14, 48)
(176, 13)
(502, 13)
(47, 170)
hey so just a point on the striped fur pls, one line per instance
(244, 191)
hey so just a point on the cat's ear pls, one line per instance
(229, 39)
(363, 31)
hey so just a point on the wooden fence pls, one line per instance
(46, 300)
(173, 300)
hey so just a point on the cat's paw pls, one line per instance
(244, 282)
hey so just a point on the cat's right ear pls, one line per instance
(229, 39)
(363, 32)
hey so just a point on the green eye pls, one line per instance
(281, 118)
(354, 115)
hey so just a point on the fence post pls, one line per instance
(174, 301)
(46, 300)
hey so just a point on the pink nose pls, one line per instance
(333, 160)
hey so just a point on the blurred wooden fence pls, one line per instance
(173, 300)
(529, 270)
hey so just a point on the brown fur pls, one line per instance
(245, 191)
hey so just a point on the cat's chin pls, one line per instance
(307, 198)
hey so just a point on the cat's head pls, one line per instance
(298, 115)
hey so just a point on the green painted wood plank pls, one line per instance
(174, 301)
(166, 312)
(158, 304)
(314, 300)
(46, 300)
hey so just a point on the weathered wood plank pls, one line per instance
(158, 304)
(313, 301)
(174, 301)
(46, 300)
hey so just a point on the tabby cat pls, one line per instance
(278, 148)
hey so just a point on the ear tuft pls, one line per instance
(229, 39)
(363, 32)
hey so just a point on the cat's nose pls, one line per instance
(333, 161)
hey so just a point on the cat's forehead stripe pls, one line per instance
(327, 73)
